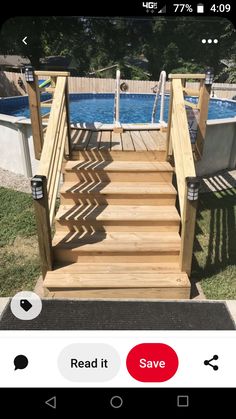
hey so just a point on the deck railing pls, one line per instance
(201, 107)
(117, 99)
(52, 146)
(160, 89)
(179, 144)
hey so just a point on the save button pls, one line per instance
(152, 362)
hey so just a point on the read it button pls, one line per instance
(152, 362)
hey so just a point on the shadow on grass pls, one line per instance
(215, 240)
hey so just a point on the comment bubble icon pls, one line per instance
(20, 362)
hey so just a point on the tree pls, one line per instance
(47, 35)
(171, 44)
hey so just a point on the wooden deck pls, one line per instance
(129, 140)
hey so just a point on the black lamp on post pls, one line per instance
(29, 73)
(37, 187)
(209, 76)
(193, 184)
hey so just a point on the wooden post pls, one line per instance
(35, 115)
(53, 81)
(44, 229)
(204, 99)
(169, 150)
(68, 142)
(187, 233)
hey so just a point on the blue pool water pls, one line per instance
(134, 108)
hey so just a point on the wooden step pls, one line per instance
(117, 155)
(118, 193)
(72, 217)
(120, 171)
(115, 267)
(138, 282)
(117, 247)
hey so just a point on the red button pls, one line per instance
(152, 362)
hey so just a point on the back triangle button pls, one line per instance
(52, 402)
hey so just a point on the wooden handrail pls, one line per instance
(52, 73)
(56, 145)
(201, 106)
(44, 165)
(197, 76)
(179, 141)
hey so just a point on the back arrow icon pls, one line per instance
(24, 40)
(52, 402)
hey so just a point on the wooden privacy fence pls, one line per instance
(95, 85)
(9, 85)
(51, 146)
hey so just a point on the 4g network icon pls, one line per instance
(151, 6)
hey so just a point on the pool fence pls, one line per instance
(10, 85)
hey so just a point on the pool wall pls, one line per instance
(16, 146)
(219, 151)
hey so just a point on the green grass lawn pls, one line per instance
(19, 260)
(214, 261)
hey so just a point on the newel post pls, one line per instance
(34, 106)
(188, 223)
(40, 196)
(205, 92)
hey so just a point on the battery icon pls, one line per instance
(200, 8)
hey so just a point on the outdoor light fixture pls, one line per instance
(29, 73)
(209, 76)
(37, 187)
(193, 184)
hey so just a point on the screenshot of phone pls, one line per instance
(118, 209)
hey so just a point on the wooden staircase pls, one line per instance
(118, 233)
(117, 229)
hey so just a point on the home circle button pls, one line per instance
(152, 362)
(116, 402)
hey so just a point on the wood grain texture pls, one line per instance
(204, 100)
(35, 115)
(44, 230)
(171, 293)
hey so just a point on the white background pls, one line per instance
(43, 348)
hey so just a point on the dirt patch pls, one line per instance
(27, 247)
(14, 181)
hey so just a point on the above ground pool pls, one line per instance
(134, 108)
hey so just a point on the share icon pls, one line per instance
(208, 362)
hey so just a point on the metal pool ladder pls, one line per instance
(160, 90)
(117, 99)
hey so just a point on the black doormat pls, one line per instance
(124, 315)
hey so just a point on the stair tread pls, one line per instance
(116, 267)
(118, 188)
(118, 242)
(117, 212)
(145, 279)
(118, 166)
